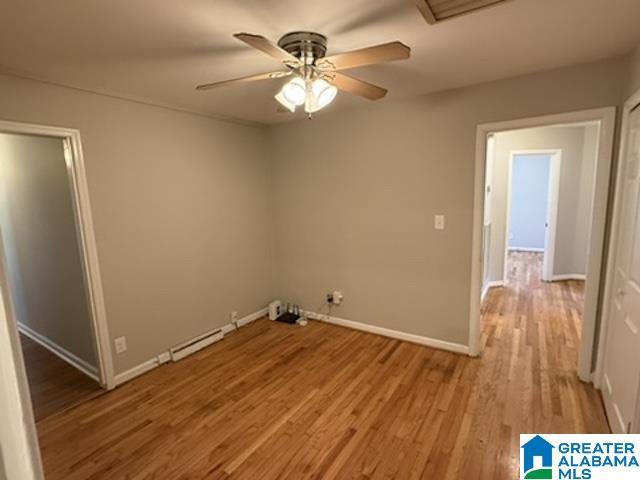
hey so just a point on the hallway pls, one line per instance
(55, 385)
(531, 335)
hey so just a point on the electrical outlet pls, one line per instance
(335, 297)
(121, 344)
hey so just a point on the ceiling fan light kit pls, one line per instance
(316, 78)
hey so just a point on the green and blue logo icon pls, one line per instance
(537, 459)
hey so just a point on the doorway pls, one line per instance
(51, 270)
(532, 206)
(44, 273)
(564, 261)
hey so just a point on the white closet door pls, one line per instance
(622, 362)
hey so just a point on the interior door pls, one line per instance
(622, 361)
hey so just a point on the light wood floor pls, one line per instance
(55, 385)
(279, 401)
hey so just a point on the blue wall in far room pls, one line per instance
(529, 199)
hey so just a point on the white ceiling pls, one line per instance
(157, 51)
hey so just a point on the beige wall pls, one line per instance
(184, 212)
(181, 211)
(39, 233)
(575, 196)
(634, 76)
(356, 192)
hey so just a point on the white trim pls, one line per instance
(629, 105)
(64, 354)
(253, 317)
(553, 203)
(18, 437)
(136, 371)
(551, 214)
(386, 332)
(229, 327)
(526, 249)
(152, 363)
(86, 239)
(490, 285)
(569, 276)
(606, 118)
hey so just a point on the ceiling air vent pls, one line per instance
(435, 11)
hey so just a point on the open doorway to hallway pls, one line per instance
(542, 185)
(528, 279)
(45, 273)
(532, 207)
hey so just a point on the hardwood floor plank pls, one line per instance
(278, 401)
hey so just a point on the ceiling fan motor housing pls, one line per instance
(304, 44)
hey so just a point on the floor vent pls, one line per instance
(198, 343)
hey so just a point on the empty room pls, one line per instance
(284, 240)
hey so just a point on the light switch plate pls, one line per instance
(438, 222)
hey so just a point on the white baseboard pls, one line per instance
(152, 363)
(73, 360)
(229, 327)
(386, 332)
(569, 276)
(489, 286)
(526, 249)
(136, 371)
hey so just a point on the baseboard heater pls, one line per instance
(193, 345)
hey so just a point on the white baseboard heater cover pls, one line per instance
(195, 344)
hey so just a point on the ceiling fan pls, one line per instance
(316, 78)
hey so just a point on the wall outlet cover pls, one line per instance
(121, 344)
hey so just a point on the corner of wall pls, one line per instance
(634, 73)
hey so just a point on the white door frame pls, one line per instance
(76, 175)
(607, 302)
(607, 118)
(555, 164)
(18, 437)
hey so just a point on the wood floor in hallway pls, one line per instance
(54, 384)
(280, 401)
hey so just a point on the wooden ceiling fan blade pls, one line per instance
(386, 52)
(249, 78)
(267, 46)
(357, 87)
